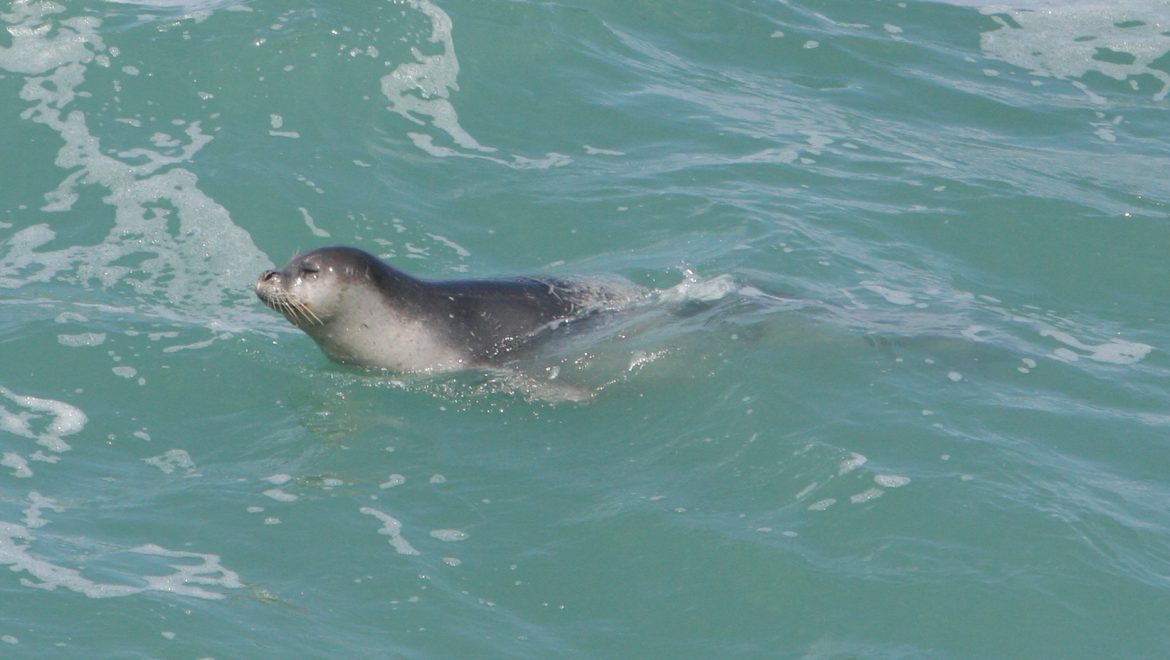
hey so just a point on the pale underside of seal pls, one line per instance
(362, 311)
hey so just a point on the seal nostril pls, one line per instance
(269, 275)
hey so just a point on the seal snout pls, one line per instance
(267, 279)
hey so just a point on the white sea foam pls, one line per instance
(206, 571)
(391, 527)
(598, 151)
(448, 535)
(195, 574)
(169, 461)
(420, 91)
(890, 480)
(188, 5)
(866, 495)
(82, 339)
(1067, 39)
(423, 87)
(125, 372)
(37, 504)
(821, 505)
(850, 464)
(18, 464)
(698, 289)
(45, 421)
(196, 345)
(313, 228)
(70, 317)
(392, 481)
(806, 491)
(639, 359)
(185, 248)
(280, 495)
(459, 249)
(1117, 351)
(891, 296)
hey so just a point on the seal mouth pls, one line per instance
(294, 309)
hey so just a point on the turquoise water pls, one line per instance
(903, 393)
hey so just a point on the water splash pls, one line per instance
(1069, 40)
(420, 92)
(174, 246)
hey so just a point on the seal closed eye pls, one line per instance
(362, 311)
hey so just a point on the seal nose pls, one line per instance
(268, 280)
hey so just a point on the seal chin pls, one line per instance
(271, 289)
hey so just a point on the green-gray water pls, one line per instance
(904, 395)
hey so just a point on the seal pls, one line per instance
(362, 311)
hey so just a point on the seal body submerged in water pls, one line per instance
(362, 311)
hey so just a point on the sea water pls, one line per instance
(902, 391)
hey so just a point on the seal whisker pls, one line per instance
(297, 311)
(289, 311)
(281, 304)
(305, 309)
